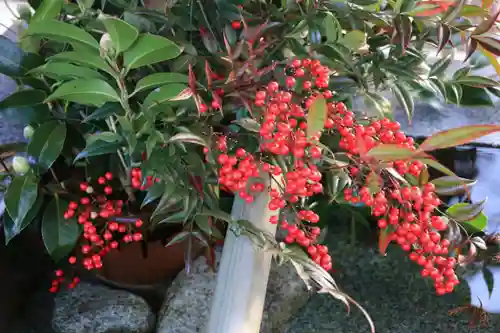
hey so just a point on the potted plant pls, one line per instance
(144, 118)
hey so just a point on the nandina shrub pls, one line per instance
(171, 110)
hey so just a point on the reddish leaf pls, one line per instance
(457, 136)
(471, 48)
(486, 24)
(385, 237)
(489, 43)
(444, 34)
(428, 8)
(209, 74)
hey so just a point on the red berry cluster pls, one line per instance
(284, 132)
(137, 182)
(101, 233)
(408, 211)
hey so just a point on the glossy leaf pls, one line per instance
(440, 66)
(153, 193)
(83, 58)
(489, 279)
(453, 11)
(47, 143)
(390, 152)
(451, 185)
(249, 124)
(404, 98)
(148, 50)
(98, 148)
(488, 43)
(21, 196)
(477, 81)
(122, 34)
(430, 161)
(159, 79)
(457, 136)
(470, 48)
(48, 9)
(316, 116)
(470, 215)
(163, 94)
(381, 104)
(105, 111)
(12, 229)
(403, 26)
(61, 31)
(86, 91)
(28, 97)
(444, 34)
(59, 235)
(188, 138)
(65, 71)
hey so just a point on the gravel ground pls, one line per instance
(391, 290)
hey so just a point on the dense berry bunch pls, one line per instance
(98, 214)
(405, 212)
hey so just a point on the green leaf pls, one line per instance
(403, 25)
(12, 229)
(61, 31)
(166, 93)
(29, 97)
(105, 111)
(47, 143)
(381, 104)
(404, 98)
(316, 116)
(108, 137)
(149, 49)
(59, 235)
(84, 58)
(122, 34)
(473, 96)
(440, 66)
(489, 278)
(453, 11)
(452, 185)
(453, 93)
(462, 72)
(48, 9)
(390, 152)
(477, 81)
(457, 136)
(21, 196)
(64, 71)
(188, 138)
(428, 160)
(153, 193)
(219, 215)
(98, 148)
(332, 27)
(470, 215)
(249, 124)
(354, 39)
(159, 79)
(86, 91)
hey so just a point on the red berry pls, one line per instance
(203, 108)
(236, 25)
(101, 180)
(108, 176)
(72, 260)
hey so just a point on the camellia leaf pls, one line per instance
(21, 196)
(61, 31)
(159, 79)
(150, 49)
(59, 235)
(404, 98)
(122, 34)
(64, 71)
(29, 97)
(83, 58)
(457, 136)
(166, 93)
(47, 143)
(451, 185)
(48, 9)
(86, 91)
(390, 152)
(470, 215)
(13, 229)
(316, 116)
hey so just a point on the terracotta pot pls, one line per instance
(129, 268)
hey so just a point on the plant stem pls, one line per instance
(2, 162)
(56, 179)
